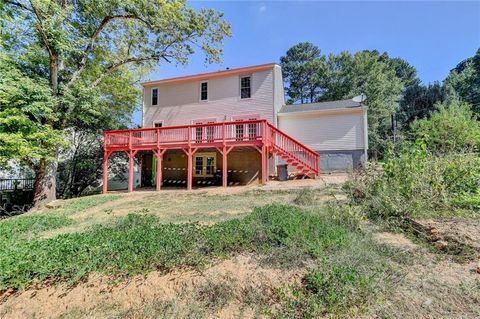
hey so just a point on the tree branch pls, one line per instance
(118, 64)
(93, 38)
(43, 35)
(19, 4)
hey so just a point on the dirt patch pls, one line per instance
(241, 275)
(395, 240)
(458, 237)
(434, 289)
(430, 285)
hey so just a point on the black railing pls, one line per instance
(12, 184)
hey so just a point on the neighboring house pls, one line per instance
(228, 127)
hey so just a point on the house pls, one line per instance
(232, 127)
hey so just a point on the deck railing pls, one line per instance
(291, 146)
(212, 134)
(187, 134)
(11, 184)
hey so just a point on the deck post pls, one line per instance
(158, 176)
(131, 159)
(189, 169)
(264, 165)
(224, 167)
(105, 172)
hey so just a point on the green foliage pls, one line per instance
(25, 226)
(452, 129)
(76, 65)
(344, 284)
(418, 102)
(370, 73)
(138, 243)
(464, 79)
(430, 176)
(25, 111)
(312, 77)
(302, 69)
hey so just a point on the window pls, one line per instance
(204, 91)
(205, 164)
(155, 96)
(245, 87)
(157, 124)
(198, 165)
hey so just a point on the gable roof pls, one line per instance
(321, 106)
(210, 75)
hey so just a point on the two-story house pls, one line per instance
(232, 127)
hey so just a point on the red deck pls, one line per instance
(223, 136)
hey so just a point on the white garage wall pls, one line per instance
(326, 131)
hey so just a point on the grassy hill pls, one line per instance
(274, 253)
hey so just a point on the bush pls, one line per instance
(453, 128)
(430, 176)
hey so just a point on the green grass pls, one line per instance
(139, 243)
(84, 203)
(346, 264)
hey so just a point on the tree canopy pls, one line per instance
(464, 79)
(76, 64)
(312, 77)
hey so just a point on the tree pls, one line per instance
(80, 166)
(418, 102)
(464, 79)
(302, 67)
(366, 72)
(403, 70)
(82, 59)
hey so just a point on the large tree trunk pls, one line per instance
(45, 185)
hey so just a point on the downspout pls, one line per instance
(365, 133)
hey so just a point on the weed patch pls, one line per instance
(139, 243)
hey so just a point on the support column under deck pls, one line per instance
(158, 175)
(224, 151)
(106, 155)
(190, 152)
(131, 162)
(224, 167)
(264, 164)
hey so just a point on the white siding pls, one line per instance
(180, 103)
(278, 93)
(326, 132)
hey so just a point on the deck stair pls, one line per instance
(293, 153)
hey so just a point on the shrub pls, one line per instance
(453, 128)
(436, 174)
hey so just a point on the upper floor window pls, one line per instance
(204, 91)
(154, 96)
(157, 124)
(245, 87)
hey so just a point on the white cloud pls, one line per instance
(262, 8)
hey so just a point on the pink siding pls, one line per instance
(180, 103)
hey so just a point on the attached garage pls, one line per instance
(336, 130)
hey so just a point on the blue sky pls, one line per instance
(432, 36)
